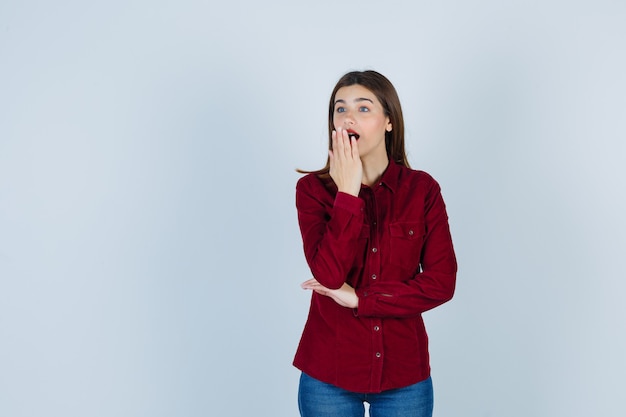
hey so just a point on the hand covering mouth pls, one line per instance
(353, 134)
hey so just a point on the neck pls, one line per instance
(373, 170)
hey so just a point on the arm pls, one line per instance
(433, 285)
(329, 233)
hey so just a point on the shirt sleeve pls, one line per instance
(329, 233)
(432, 286)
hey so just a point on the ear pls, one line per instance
(389, 128)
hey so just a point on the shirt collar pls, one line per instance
(391, 176)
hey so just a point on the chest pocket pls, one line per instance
(406, 240)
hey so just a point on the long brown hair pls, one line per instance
(386, 94)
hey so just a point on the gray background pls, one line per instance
(150, 259)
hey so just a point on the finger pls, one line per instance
(355, 148)
(338, 143)
(347, 148)
(318, 288)
(308, 283)
(315, 286)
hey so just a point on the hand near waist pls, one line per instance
(344, 296)
(346, 168)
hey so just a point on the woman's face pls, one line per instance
(358, 110)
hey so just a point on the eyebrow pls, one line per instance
(356, 100)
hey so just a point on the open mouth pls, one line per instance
(353, 134)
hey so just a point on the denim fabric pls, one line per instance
(319, 399)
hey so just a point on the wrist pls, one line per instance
(354, 191)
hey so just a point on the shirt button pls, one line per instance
(373, 276)
(374, 250)
(410, 232)
(376, 328)
(378, 354)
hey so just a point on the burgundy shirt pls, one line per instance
(393, 245)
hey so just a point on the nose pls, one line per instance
(348, 120)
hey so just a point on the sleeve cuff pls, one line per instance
(350, 203)
(367, 300)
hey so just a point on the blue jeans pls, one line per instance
(318, 399)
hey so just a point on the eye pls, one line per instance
(364, 109)
(340, 109)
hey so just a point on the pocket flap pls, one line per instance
(409, 230)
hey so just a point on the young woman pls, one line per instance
(376, 237)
